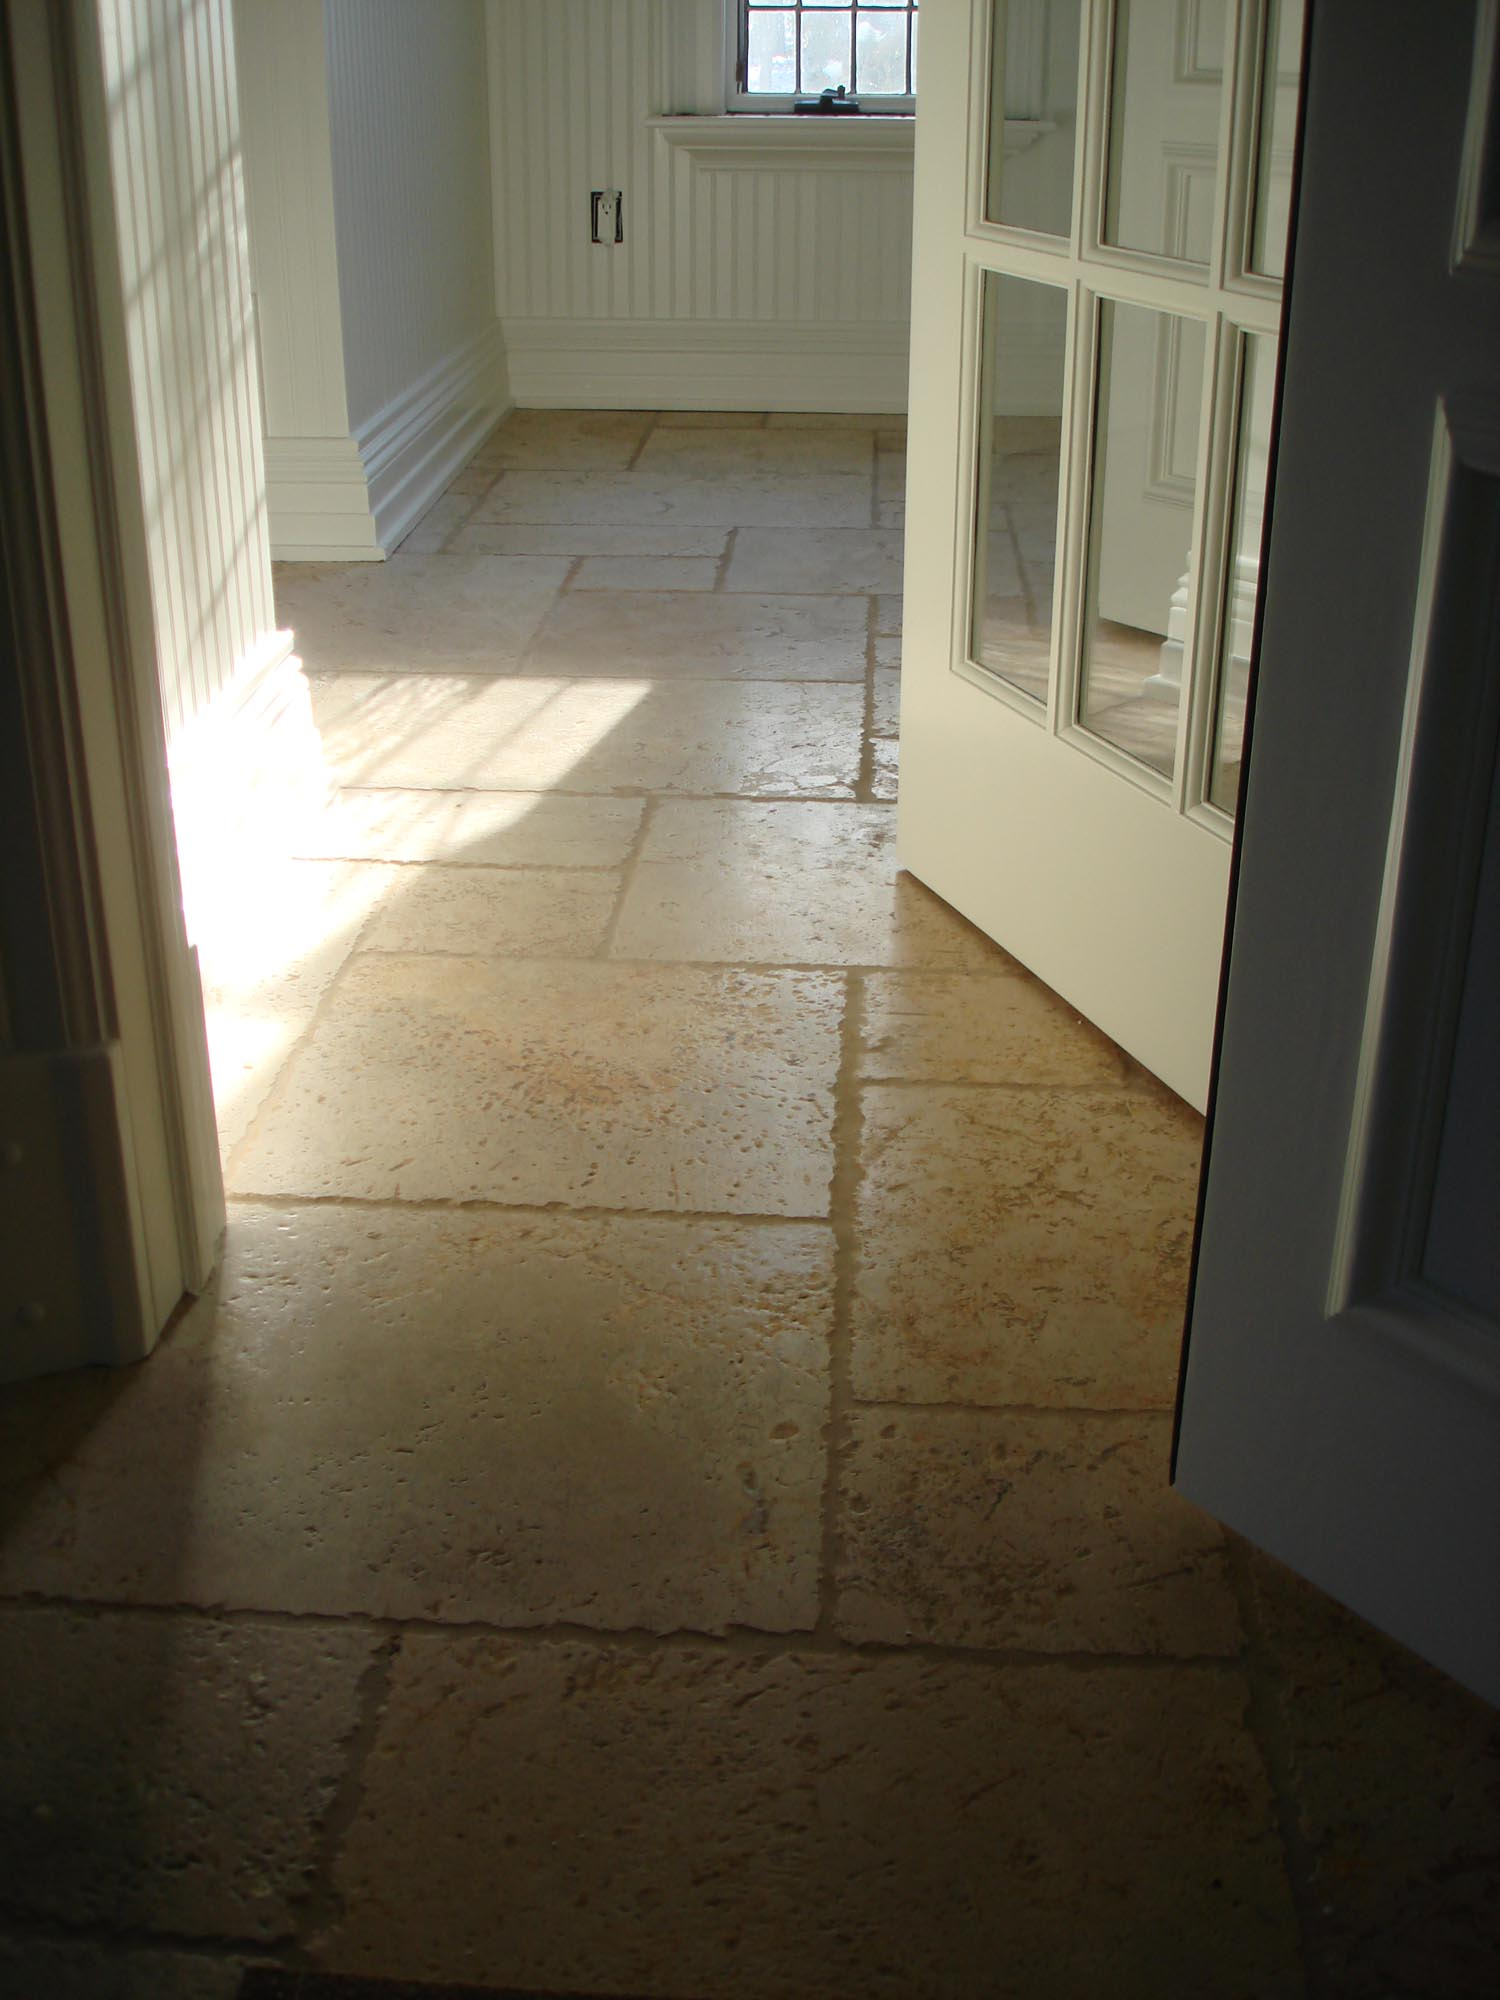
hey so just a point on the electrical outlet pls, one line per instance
(607, 215)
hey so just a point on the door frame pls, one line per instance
(107, 1083)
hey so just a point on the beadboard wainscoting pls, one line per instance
(748, 277)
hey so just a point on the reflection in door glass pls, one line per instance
(1033, 114)
(1242, 580)
(1278, 130)
(1165, 85)
(1141, 530)
(1024, 332)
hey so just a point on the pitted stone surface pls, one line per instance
(793, 455)
(956, 1027)
(35, 1968)
(1022, 1246)
(756, 497)
(1056, 1531)
(417, 613)
(698, 636)
(565, 440)
(601, 1086)
(839, 560)
(493, 912)
(792, 1826)
(459, 1416)
(722, 879)
(501, 829)
(632, 736)
(168, 1775)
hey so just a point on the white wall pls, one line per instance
(367, 139)
(776, 287)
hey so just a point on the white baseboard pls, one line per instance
(352, 499)
(706, 365)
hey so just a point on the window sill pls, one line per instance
(872, 144)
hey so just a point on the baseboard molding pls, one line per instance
(706, 365)
(352, 499)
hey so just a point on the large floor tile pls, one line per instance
(885, 708)
(515, 829)
(1396, 1775)
(697, 573)
(1050, 1530)
(628, 736)
(663, 634)
(168, 1776)
(852, 560)
(790, 454)
(785, 883)
(1023, 1246)
(565, 440)
(844, 420)
(671, 540)
(94, 1969)
(495, 912)
(609, 1086)
(417, 613)
(772, 1827)
(957, 1028)
(704, 499)
(615, 1422)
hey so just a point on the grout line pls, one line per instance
(864, 784)
(652, 425)
(483, 1205)
(1155, 1412)
(629, 868)
(842, 1193)
(1265, 1724)
(731, 541)
(754, 1641)
(565, 588)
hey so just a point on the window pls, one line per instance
(781, 52)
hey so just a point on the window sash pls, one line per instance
(739, 97)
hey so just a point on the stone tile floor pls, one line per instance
(668, 1492)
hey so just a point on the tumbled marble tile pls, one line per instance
(766, 498)
(629, 736)
(168, 1775)
(885, 771)
(605, 1086)
(461, 1416)
(753, 882)
(844, 420)
(96, 1969)
(495, 912)
(792, 455)
(1054, 1531)
(437, 525)
(711, 420)
(565, 440)
(945, 1027)
(888, 653)
(516, 829)
(885, 713)
(267, 953)
(777, 1827)
(841, 560)
(646, 573)
(621, 538)
(1022, 1246)
(888, 614)
(417, 613)
(1395, 1778)
(661, 634)
(890, 514)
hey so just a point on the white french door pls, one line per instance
(1101, 212)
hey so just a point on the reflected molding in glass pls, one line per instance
(1023, 364)
(1280, 83)
(1166, 86)
(1034, 53)
(1242, 577)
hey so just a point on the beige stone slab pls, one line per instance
(437, 525)
(945, 1027)
(844, 420)
(775, 883)
(514, 829)
(888, 653)
(888, 615)
(731, 499)
(849, 560)
(647, 573)
(100, 1969)
(1023, 1246)
(565, 440)
(495, 912)
(619, 538)
(473, 480)
(711, 420)
(665, 633)
(1395, 1775)
(1053, 1531)
(890, 477)
(460, 1416)
(885, 774)
(602, 1086)
(418, 613)
(267, 953)
(885, 715)
(793, 454)
(889, 514)
(168, 1776)
(778, 1827)
(626, 736)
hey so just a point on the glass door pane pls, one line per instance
(1033, 114)
(1242, 576)
(1140, 540)
(1024, 332)
(1278, 131)
(1166, 81)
